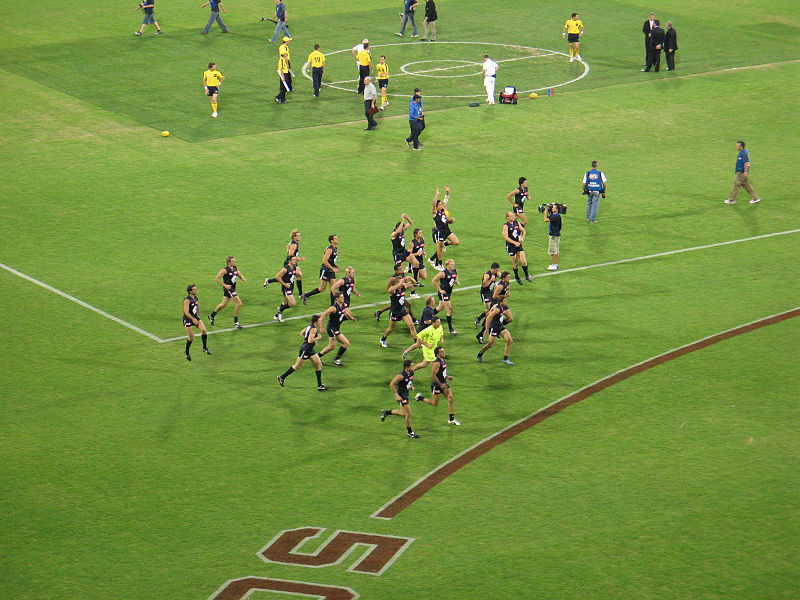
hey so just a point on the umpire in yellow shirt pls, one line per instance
(574, 29)
(285, 80)
(316, 60)
(364, 59)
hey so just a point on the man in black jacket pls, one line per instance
(670, 45)
(429, 20)
(656, 44)
(646, 29)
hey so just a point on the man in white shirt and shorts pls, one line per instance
(489, 77)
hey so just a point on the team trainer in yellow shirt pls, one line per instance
(574, 28)
(383, 80)
(316, 60)
(211, 81)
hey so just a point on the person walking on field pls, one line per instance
(370, 95)
(148, 6)
(316, 61)
(415, 121)
(408, 15)
(280, 16)
(429, 21)
(215, 6)
(670, 45)
(742, 176)
(489, 77)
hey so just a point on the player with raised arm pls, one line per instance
(227, 278)
(398, 308)
(398, 236)
(191, 318)
(311, 335)
(441, 230)
(440, 384)
(337, 314)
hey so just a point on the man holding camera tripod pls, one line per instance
(595, 185)
(552, 216)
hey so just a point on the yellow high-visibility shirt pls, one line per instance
(212, 78)
(573, 26)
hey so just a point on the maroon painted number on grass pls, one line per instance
(384, 549)
(238, 589)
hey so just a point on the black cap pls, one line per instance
(417, 90)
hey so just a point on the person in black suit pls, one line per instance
(656, 44)
(646, 29)
(670, 45)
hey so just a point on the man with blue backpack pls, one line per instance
(595, 185)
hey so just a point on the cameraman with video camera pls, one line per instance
(594, 186)
(553, 217)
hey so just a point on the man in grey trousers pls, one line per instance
(595, 185)
(216, 5)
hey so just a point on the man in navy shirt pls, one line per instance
(280, 17)
(552, 217)
(742, 176)
(415, 121)
(216, 5)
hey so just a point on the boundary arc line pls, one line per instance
(408, 496)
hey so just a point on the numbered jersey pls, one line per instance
(404, 384)
(486, 290)
(398, 243)
(440, 220)
(290, 275)
(194, 310)
(337, 317)
(449, 280)
(519, 199)
(230, 276)
(441, 374)
(348, 289)
(397, 299)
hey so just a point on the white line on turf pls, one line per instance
(103, 313)
(544, 408)
(535, 276)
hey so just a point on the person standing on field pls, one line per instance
(370, 95)
(656, 44)
(364, 59)
(215, 6)
(670, 45)
(408, 15)
(212, 80)
(574, 29)
(742, 176)
(489, 77)
(595, 185)
(316, 61)
(148, 7)
(429, 21)
(647, 28)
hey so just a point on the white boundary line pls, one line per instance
(103, 313)
(549, 51)
(155, 338)
(535, 276)
(544, 408)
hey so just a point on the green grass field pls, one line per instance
(128, 472)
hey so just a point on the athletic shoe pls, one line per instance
(237, 325)
(519, 282)
(419, 284)
(416, 322)
(414, 295)
(453, 422)
(384, 414)
(214, 114)
(478, 322)
(204, 32)
(507, 361)
(405, 355)
(408, 143)
(729, 201)
(416, 149)
(387, 104)
(552, 267)
(337, 362)
(211, 319)
(322, 387)
(480, 360)
(383, 343)
(207, 351)
(285, 101)
(189, 358)
(140, 33)
(433, 264)
(414, 35)
(753, 201)
(453, 332)
(398, 34)
(266, 282)
(578, 57)
(280, 380)
(413, 435)
(423, 39)
(571, 59)
(418, 398)
(528, 278)
(439, 267)
(279, 317)
(480, 338)
(303, 296)
(377, 314)
(159, 32)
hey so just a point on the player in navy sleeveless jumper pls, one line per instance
(441, 229)
(287, 277)
(488, 283)
(400, 252)
(311, 335)
(398, 308)
(328, 270)
(346, 285)
(440, 384)
(337, 314)
(517, 197)
(191, 318)
(400, 386)
(497, 318)
(227, 278)
(445, 281)
(501, 290)
(399, 271)
(292, 249)
(418, 252)
(514, 235)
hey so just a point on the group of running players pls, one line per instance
(409, 272)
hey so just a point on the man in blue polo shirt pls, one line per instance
(280, 17)
(216, 5)
(742, 176)
(415, 121)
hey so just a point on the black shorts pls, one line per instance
(288, 291)
(231, 293)
(306, 352)
(444, 296)
(486, 296)
(440, 235)
(383, 83)
(518, 209)
(496, 332)
(188, 322)
(514, 250)
(332, 331)
(212, 89)
(398, 316)
(573, 37)
(438, 388)
(401, 256)
(327, 274)
(403, 400)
